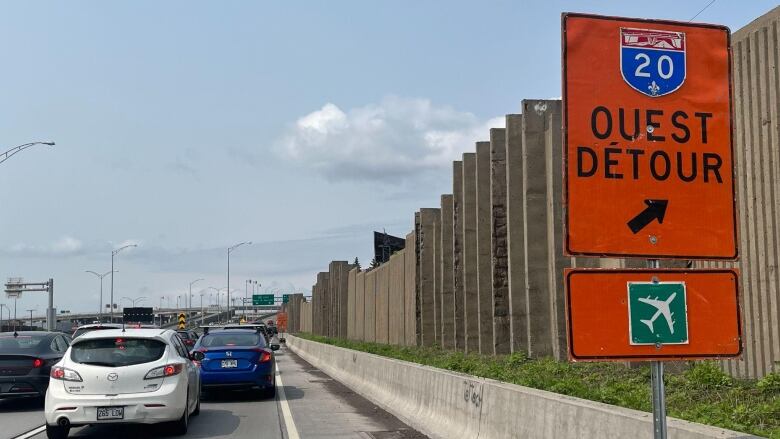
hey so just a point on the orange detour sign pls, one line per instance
(652, 314)
(647, 139)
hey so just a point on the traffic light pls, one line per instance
(182, 320)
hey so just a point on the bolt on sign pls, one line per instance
(648, 150)
(644, 314)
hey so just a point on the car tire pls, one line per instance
(57, 432)
(180, 427)
(196, 412)
(270, 392)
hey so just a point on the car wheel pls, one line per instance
(180, 427)
(57, 432)
(270, 392)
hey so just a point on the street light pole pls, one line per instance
(229, 251)
(190, 296)
(2, 305)
(100, 276)
(31, 321)
(16, 149)
(114, 253)
(133, 301)
(201, 309)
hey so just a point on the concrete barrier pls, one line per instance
(443, 404)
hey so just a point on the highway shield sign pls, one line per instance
(647, 139)
(652, 314)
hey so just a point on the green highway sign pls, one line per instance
(657, 313)
(262, 299)
(285, 298)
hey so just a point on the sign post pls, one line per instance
(648, 158)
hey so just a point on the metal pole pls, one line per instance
(100, 310)
(1, 316)
(15, 319)
(228, 286)
(201, 309)
(657, 385)
(50, 313)
(659, 400)
(111, 304)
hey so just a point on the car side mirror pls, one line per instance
(274, 347)
(197, 356)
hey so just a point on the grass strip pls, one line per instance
(701, 392)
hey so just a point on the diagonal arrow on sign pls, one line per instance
(656, 209)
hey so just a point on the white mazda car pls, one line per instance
(113, 376)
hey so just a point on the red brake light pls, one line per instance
(265, 356)
(37, 363)
(57, 373)
(172, 369)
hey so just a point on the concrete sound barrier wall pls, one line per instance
(410, 291)
(360, 305)
(395, 301)
(351, 304)
(444, 404)
(382, 302)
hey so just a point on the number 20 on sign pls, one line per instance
(648, 139)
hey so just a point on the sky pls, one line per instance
(188, 126)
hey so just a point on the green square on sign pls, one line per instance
(285, 298)
(657, 313)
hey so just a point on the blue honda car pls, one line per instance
(235, 359)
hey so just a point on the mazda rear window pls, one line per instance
(117, 351)
(232, 339)
(21, 344)
(82, 331)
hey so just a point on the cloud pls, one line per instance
(397, 138)
(65, 245)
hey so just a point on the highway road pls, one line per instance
(308, 404)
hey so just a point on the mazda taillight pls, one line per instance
(164, 371)
(64, 374)
(37, 363)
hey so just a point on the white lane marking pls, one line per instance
(289, 423)
(32, 433)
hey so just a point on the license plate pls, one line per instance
(110, 413)
(226, 364)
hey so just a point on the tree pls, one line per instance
(374, 264)
(356, 263)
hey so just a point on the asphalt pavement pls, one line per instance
(308, 404)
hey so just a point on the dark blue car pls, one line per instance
(235, 359)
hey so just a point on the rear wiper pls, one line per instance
(98, 363)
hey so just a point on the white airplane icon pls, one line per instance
(663, 309)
